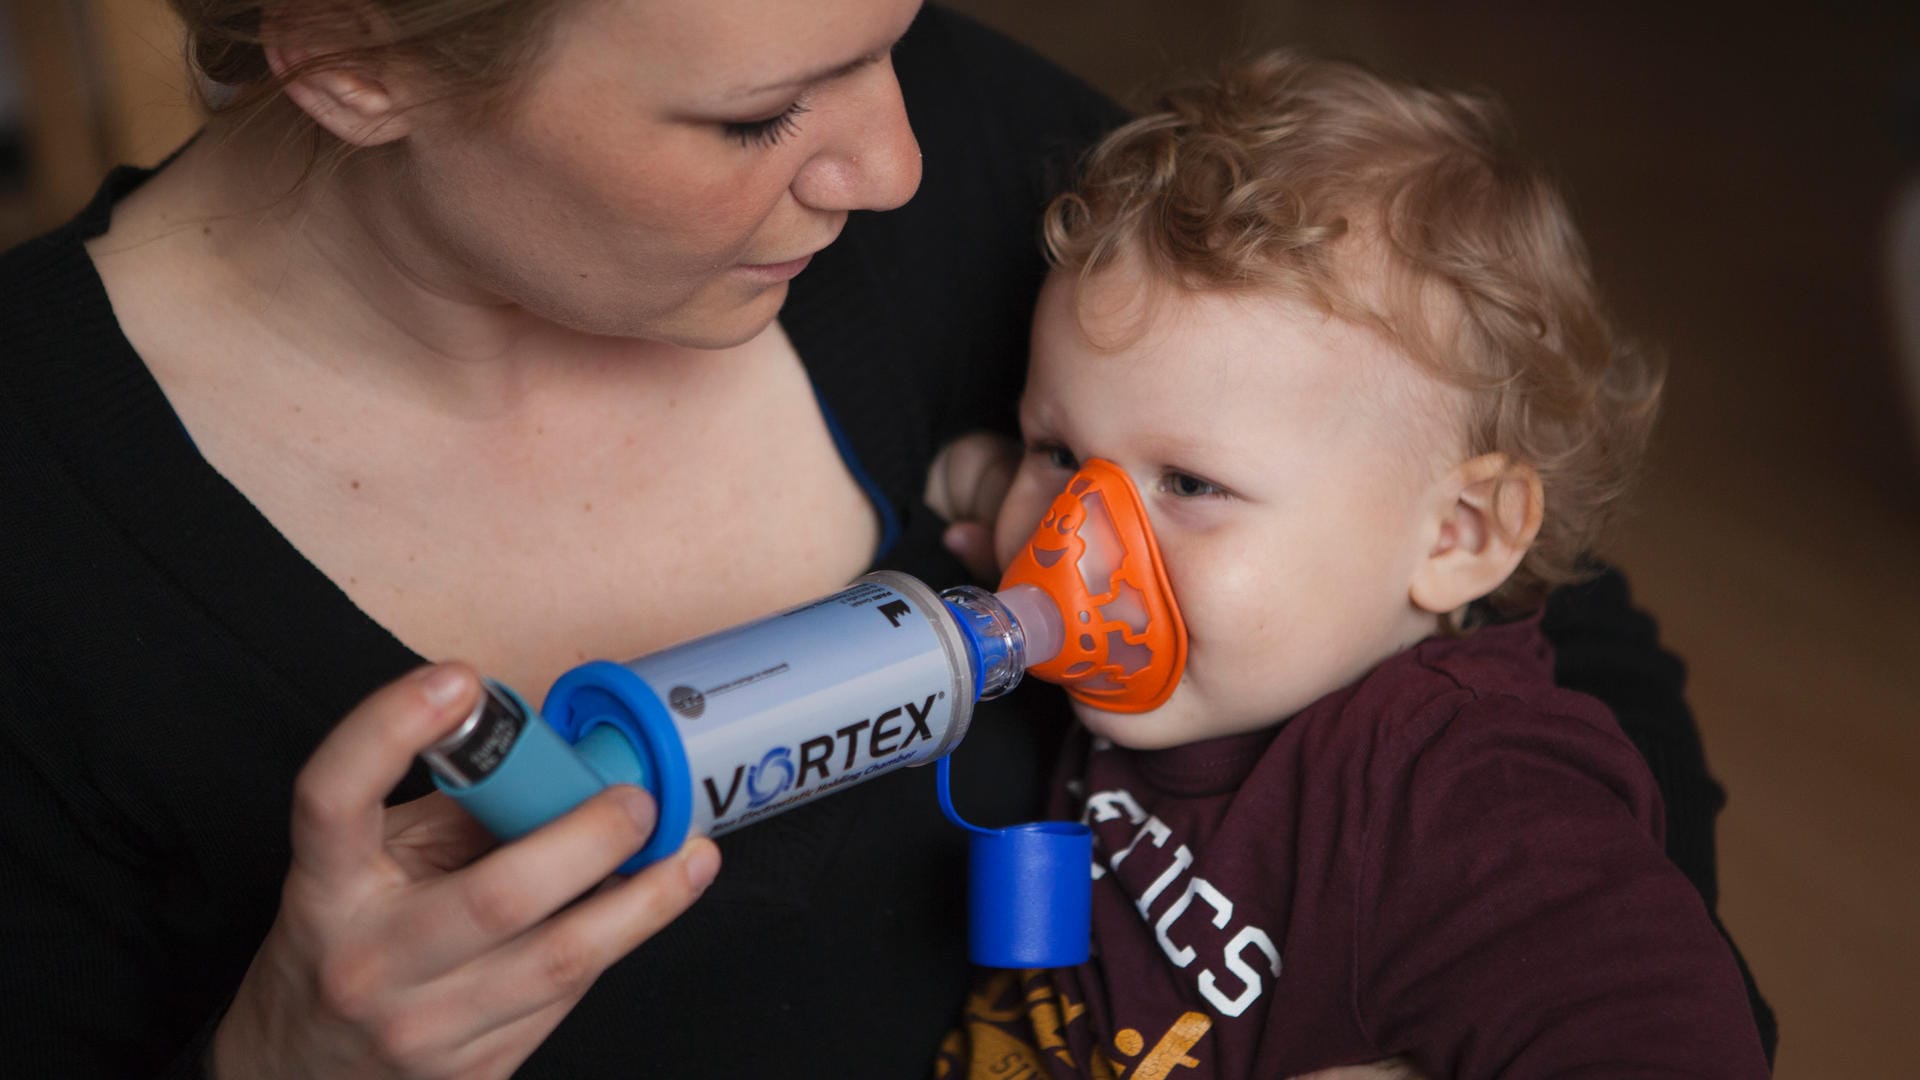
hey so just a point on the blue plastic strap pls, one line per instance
(943, 783)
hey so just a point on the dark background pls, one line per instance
(1737, 170)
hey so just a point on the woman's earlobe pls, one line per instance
(1489, 515)
(351, 103)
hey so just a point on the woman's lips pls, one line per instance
(776, 272)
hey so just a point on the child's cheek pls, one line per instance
(1225, 600)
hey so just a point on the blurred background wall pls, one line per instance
(1736, 169)
(84, 84)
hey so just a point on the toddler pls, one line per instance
(1347, 346)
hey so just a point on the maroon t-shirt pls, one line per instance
(1451, 860)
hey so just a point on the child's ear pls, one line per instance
(1486, 515)
(357, 103)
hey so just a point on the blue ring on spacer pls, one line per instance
(603, 692)
(975, 647)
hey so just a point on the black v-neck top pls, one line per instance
(168, 660)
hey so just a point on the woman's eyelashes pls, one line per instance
(769, 131)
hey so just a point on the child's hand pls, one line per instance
(965, 486)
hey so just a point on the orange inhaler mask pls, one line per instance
(1094, 553)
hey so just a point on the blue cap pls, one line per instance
(1029, 890)
(1030, 895)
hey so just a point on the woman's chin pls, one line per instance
(716, 318)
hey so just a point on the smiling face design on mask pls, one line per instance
(1125, 645)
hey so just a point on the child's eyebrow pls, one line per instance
(1173, 447)
(1037, 414)
(1180, 444)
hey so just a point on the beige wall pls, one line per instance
(104, 83)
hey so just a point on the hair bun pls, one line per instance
(229, 61)
(223, 40)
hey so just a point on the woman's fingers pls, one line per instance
(502, 1005)
(432, 835)
(480, 908)
(562, 957)
(338, 799)
(501, 1050)
(390, 956)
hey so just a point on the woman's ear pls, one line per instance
(1486, 515)
(356, 102)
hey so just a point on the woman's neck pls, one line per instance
(326, 259)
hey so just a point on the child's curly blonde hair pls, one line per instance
(1459, 251)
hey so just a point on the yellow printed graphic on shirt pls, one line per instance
(1019, 1026)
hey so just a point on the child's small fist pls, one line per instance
(966, 485)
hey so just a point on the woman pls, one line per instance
(521, 368)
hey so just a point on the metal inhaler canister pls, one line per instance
(748, 722)
(514, 773)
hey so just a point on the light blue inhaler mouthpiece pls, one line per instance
(514, 771)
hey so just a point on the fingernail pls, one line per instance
(701, 865)
(638, 805)
(443, 686)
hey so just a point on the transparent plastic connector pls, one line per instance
(1011, 630)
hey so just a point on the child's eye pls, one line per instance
(1055, 455)
(1186, 486)
(767, 132)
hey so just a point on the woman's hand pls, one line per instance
(966, 485)
(393, 955)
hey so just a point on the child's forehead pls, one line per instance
(1267, 345)
(1123, 307)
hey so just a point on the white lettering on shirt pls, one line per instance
(1253, 984)
(1112, 805)
(1106, 806)
(1182, 858)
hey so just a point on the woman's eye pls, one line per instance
(767, 132)
(1186, 486)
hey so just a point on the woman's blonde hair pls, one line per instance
(471, 48)
(1461, 253)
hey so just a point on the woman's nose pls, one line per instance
(874, 163)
